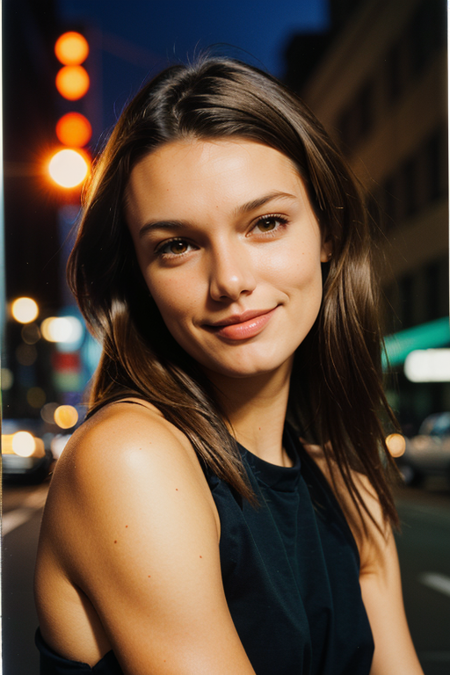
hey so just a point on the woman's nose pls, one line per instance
(231, 275)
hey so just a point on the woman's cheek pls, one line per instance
(172, 295)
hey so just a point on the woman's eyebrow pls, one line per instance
(244, 208)
(161, 225)
(260, 201)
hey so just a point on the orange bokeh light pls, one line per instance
(74, 130)
(72, 82)
(71, 49)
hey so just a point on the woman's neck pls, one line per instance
(256, 409)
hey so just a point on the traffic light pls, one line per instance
(70, 164)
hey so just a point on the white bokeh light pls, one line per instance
(65, 329)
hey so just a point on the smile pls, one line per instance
(243, 326)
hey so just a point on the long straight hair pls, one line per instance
(336, 395)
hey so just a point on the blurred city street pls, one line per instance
(375, 74)
(424, 551)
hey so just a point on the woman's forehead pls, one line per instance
(217, 170)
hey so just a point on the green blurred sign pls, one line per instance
(426, 336)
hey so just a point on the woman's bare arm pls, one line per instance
(137, 531)
(379, 578)
(382, 595)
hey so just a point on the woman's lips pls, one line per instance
(242, 330)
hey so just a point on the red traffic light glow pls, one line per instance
(72, 82)
(74, 130)
(71, 49)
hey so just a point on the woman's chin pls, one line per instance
(251, 368)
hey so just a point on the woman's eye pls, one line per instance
(175, 247)
(270, 223)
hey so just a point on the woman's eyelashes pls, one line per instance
(173, 248)
(270, 225)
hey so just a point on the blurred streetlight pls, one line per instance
(72, 82)
(48, 412)
(74, 130)
(36, 397)
(23, 443)
(71, 48)
(68, 168)
(24, 310)
(66, 416)
(30, 333)
(62, 329)
(396, 445)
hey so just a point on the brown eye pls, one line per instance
(173, 248)
(267, 224)
(177, 246)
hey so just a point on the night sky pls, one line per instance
(138, 38)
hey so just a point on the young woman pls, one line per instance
(224, 262)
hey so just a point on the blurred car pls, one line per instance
(26, 454)
(428, 453)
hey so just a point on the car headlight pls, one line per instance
(22, 443)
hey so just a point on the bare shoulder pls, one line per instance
(122, 461)
(124, 441)
(121, 435)
(130, 549)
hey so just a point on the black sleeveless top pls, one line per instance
(290, 570)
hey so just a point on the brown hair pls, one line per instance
(336, 392)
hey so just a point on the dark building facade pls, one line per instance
(31, 203)
(29, 70)
(379, 85)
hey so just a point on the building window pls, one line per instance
(436, 279)
(345, 125)
(419, 181)
(406, 304)
(366, 109)
(391, 309)
(427, 33)
(394, 75)
(433, 160)
(358, 119)
(391, 204)
(432, 291)
(410, 54)
(409, 196)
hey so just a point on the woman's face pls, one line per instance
(230, 250)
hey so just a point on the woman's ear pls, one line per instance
(327, 249)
